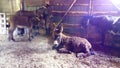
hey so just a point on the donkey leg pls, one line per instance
(11, 35)
(30, 34)
(64, 50)
(85, 53)
(29, 38)
(92, 51)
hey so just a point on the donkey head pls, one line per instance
(58, 35)
(58, 29)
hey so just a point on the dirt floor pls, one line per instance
(39, 54)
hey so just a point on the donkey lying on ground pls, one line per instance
(67, 44)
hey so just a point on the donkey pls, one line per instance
(22, 20)
(103, 23)
(69, 44)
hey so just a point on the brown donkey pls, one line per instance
(68, 44)
(22, 21)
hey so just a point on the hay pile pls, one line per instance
(38, 54)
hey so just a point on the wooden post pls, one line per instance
(90, 7)
(22, 5)
(12, 8)
(89, 14)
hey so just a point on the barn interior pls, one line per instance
(27, 32)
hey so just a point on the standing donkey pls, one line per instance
(21, 22)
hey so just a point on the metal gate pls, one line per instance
(3, 22)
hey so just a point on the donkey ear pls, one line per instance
(61, 27)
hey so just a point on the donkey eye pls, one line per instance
(58, 37)
(56, 29)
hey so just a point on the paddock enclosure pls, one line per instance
(32, 24)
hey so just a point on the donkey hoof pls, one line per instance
(92, 53)
(81, 55)
(13, 39)
(29, 39)
(54, 47)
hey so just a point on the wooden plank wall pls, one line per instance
(80, 9)
(59, 7)
(32, 5)
(34, 2)
(104, 7)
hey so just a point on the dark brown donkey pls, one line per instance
(68, 44)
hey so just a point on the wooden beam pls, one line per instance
(106, 13)
(103, 12)
(73, 12)
(102, 4)
(69, 4)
